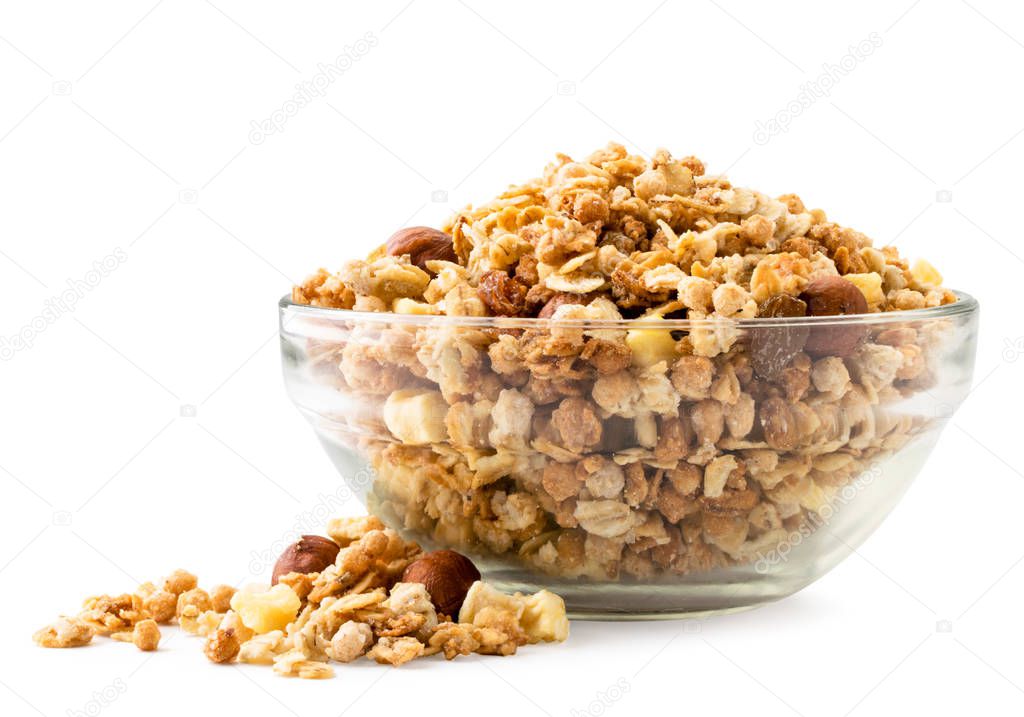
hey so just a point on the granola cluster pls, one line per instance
(358, 606)
(652, 237)
(135, 617)
(593, 449)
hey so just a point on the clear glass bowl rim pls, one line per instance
(964, 305)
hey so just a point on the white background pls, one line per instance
(148, 429)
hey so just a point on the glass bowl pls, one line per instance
(644, 468)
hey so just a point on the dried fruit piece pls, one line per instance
(650, 346)
(422, 244)
(263, 612)
(772, 348)
(834, 296)
(311, 554)
(502, 294)
(446, 575)
(415, 417)
(544, 617)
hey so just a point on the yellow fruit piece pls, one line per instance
(411, 306)
(544, 617)
(416, 417)
(263, 611)
(870, 285)
(926, 275)
(649, 346)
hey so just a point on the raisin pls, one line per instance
(773, 347)
(502, 294)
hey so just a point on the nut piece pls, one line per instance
(222, 646)
(146, 635)
(311, 554)
(422, 244)
(834, 296)
(447, 575)
(772, 348)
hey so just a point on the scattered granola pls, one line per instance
(371, 601)
(602, 450)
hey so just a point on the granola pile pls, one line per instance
(588, 449)
(359, 604)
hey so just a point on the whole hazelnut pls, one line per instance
(446, 575)
(311, 554)
(422, 244)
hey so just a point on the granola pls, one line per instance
(358, 606)
(601, 450)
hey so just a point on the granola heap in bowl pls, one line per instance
(633, 382)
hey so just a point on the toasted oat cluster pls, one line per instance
(356, 606)
(593, 450)
(651, 237)
(135, 617)
(360, 606)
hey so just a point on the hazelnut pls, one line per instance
(773, 347)
(311, 554)
(422, 244)
(446, 575)
(834, 296)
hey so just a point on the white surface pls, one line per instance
(126, 125)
